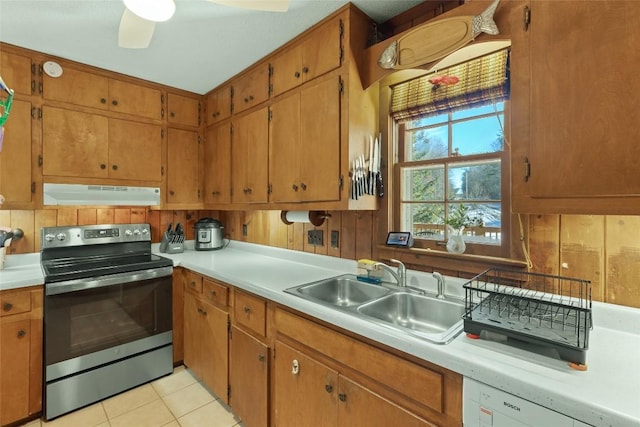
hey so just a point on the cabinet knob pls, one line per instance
(342, 397)
(21, 333)
(114, 102)
(303, 186)
(246, 100)
(295, 187)
(103, 166)
(172, 114)
(7, 306)
(114, 167)
(305, 70)
(250, 97)
(328, 388)
(103, 101)
(295, 367)
(296, 74)
(261, 357)
(247, 309)
(172, 192)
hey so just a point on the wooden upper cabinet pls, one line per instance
(183, 110)
(92, 90)
(251, 89)
(15, 158)
(304, 149)
(74, 143)
(249, 153)
(183, 177)
(77, 144)
(219, 104)
(78, 88)
(317, 53)
(217, 164)
(16, 72)
(575, 128)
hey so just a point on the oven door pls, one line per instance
(90, 322)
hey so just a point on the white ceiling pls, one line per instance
(203, 45)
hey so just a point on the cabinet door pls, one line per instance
(286, 70)
(15, 347)
(136, 100)
(183, 178)
(194, 348)
(15, 157)
(251, 89)
(284, 149)
(248, 378)
(77, 87)
(183, 110)
(74, 143)
(214, 335)
(219, 105)
(16, 72)
(249, 151)
(306, 391)
(135, 150)
(321, 52)
(320, 141)
(583, 122)
(217, 164)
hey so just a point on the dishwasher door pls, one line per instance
(485, 406)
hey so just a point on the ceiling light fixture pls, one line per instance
(152, 10)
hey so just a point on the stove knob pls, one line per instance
(136, 232)
(128, 233)
(49, 237)
(61, 236)
(145, 231)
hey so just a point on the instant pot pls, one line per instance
(209, 234)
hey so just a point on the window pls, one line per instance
(453, 162)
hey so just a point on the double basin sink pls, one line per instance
(434, 319)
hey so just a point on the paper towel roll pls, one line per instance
(310, 217)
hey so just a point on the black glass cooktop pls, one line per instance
(70, 268)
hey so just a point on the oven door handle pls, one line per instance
(102, 281)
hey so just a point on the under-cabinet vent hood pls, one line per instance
(101, 195)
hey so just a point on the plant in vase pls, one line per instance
(456, 222)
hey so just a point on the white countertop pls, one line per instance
(607, 394)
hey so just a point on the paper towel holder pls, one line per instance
(314, 217)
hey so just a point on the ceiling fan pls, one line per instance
(140, 17)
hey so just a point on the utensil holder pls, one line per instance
(173, 244)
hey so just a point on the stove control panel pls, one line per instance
(57, 237)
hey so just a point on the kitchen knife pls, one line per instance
(354, 185)
(370, 177)
(379, 183)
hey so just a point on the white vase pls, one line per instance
(455, 244)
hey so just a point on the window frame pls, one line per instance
(501, 250)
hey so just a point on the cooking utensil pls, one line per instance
(370, 174)
(5, 238)
(354, 187)
(379, 183)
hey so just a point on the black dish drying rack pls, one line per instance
(546, 310)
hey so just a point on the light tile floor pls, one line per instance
(177, 400)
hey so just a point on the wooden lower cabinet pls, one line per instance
(205, 343)
(331, 378)
(20, 354)
(248, 378)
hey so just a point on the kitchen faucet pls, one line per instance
(440, 280)
(400, 275)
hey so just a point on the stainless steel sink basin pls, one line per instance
(415, 312)
(341, 291)
(430, 318)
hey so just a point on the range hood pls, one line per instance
(101, 195)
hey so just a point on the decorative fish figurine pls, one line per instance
(444, 80)
(436, 40)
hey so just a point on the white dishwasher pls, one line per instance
(486, 406)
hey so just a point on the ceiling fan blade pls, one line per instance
(266, 5)
(134, 32)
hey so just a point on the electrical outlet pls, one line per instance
(335, 239)
(244, 230)
(315, 237)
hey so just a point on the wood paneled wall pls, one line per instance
(602, 249)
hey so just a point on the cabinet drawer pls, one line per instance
(250, 312)
(14, 303)
(215, 292)
(193, 282)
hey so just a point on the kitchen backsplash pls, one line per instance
(599, 248)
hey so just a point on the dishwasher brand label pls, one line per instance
(511, 406)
